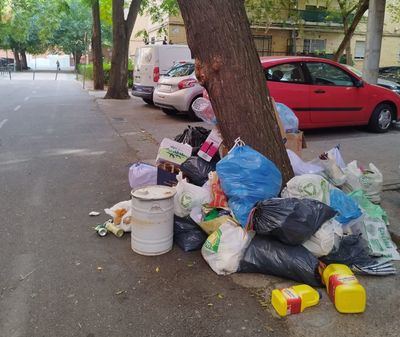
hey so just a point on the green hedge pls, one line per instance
(106, 68)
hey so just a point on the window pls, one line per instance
(179, 70)
(326, 74)
(263, 45)
(359, 51)
(288, 72)
(311, 46)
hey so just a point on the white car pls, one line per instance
(176, 91)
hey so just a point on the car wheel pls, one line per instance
(169, 112)
(148, 101)
(191, 113)
(381, 118)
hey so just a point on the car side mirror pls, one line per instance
(359, 84)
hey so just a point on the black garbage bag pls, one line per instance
(194, 136)
(268, 256)
(187, 234)
(352, 250)
(291, 220)
(197, 170)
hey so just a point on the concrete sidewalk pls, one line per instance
(142, 127)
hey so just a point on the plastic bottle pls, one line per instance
(346, 293)
(294, 299)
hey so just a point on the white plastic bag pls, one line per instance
(224, 248)
(309, 186)
(301, 167)
(121, 214)
(141, 175)
(188, 196)
(379, 240)
(323, 240)
(369, 180)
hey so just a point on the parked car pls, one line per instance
(390, 73)
(153, 61)
(381, 81)
(323, 93)
(176, 91)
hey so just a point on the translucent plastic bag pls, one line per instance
(141, 174)
(301, 167)
(346, 207)
(188, 196)
(203, 109)
(324, 239)
(246, 177)
(289, 119)
(369, 180)
(224, 248)
(121, 214)
(309, 186)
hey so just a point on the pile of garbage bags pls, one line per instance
(234, 209)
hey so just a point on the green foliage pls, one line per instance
(74, 28)
(106, 68)
(394, 10)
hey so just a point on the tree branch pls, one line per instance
(132, 14)
(360, 12)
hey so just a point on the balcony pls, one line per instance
(318, 16)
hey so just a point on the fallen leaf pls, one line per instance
(157, 269)
(119, 292)
(210, 304)
(220, 296)
(190, 265)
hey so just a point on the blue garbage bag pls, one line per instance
(247, 177)
(346, 206)
(288, 118)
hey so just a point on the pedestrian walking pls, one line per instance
(58, 65)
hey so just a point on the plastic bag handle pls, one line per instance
(238, 142)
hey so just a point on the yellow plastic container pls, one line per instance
(294, 299)
(346, 293)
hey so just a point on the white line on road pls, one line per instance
(26, 98)
(17, 108)
(4, 121)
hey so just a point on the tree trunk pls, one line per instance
(349, 60)
(24, 63)
(122, 31)
(17, 60)
(229, 68)
(98, 72)
(77, 59)
(349, 34)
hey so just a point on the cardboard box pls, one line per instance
(295, 142)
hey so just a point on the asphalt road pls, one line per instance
(60, 158)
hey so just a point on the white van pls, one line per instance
(153, 61)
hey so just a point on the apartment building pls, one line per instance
(309, 27)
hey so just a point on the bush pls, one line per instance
(106, 68)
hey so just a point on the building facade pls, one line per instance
(309, 27)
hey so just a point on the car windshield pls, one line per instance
(179, 70)
(354, 70)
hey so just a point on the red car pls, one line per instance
(323, 93)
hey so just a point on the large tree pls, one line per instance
(98, 72)
(122, 31)
(229, 68)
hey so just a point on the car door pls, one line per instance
(287, 84)
(334, 97)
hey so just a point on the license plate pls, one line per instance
(164, 87)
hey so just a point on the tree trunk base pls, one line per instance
(118, 95)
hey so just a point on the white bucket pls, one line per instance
(152, 220)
